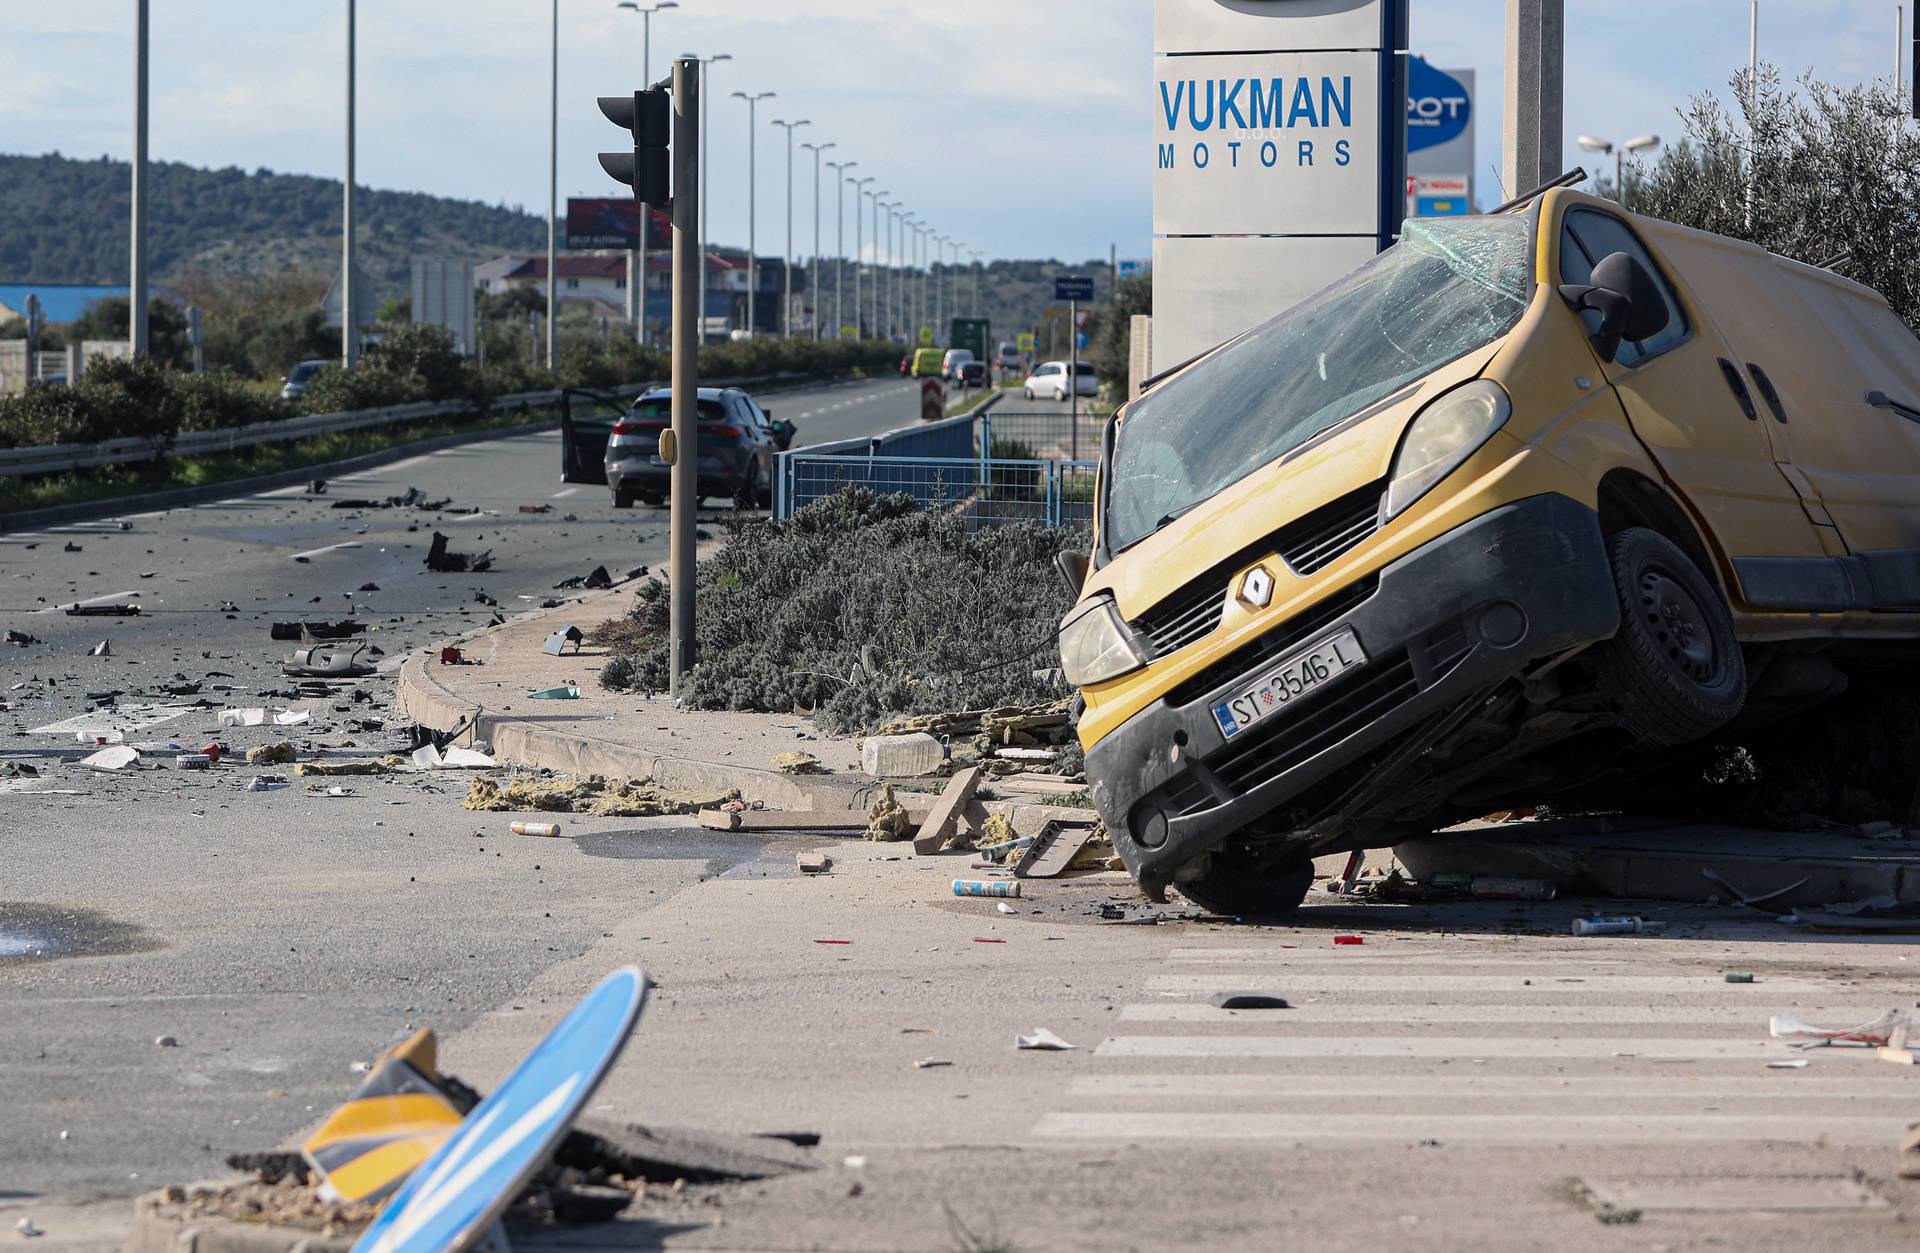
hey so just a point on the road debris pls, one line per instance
(20, 639)
(1349, 939)
(1738, 976)
(942, 821)
(26, 1228)
(1615, 926)
(1044, 1041)
(1249, 1000)
(798, 763)
(280, 754)
(1797, 1064)
(440, 561)
(888, 820)
(118, 757)
(1871, 1034)
(813, 863)
(1493, 888)
(342, 769)
(535, 828)
(430, 757)
(558, 641)
(985, 887)
(165, 1042)
(1065, 844)
(267, 783)
(1910, 1153)
(569, 691)
(901, 756)
(331, 661)
(930, 1063)
(596, 796)
(103, 649)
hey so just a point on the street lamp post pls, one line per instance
(840, 181)
(814, 265)
(976, 282)
(753, 257)
(1619, 152)
(705, 229)
(786, 259)
(637, 260)
(553, 209)
(859, 244)
(879, 205)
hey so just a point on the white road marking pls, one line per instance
(126, 718)
(321, 552)
(1755, 1048)
(1427, 1015)
(563, 493)
(1291, 982)
(1478, 1128)
(1798, 1086)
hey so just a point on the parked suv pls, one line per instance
(738, 440)
(1507, 515)
(1049, 378)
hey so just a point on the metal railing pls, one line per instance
(985, 491)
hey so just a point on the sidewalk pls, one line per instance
(621, 735)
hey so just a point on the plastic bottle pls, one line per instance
(984, 887)
(536, 828)
(1615, 926)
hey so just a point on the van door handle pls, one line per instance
(1768, 393)
(1880, 400)
(1739, 386)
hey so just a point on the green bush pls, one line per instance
(223, 399)
(862, 607)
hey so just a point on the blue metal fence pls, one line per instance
(987, 492)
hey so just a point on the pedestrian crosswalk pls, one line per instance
(1471, 1040)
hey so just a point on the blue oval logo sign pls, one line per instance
(1438, 107)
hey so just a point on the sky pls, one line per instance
(1021, 127)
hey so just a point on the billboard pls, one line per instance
(1440, 152)
(614, 222)
(1278, 151)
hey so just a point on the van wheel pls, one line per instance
(1674, 666)
(1236, 889)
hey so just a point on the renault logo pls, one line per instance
(1256, 589)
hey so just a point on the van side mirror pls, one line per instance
(1626, 297)
(1072, 568)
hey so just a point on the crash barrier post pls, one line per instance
(985, 492)
(1041, 436)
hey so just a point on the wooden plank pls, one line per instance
(1059, 843)
(1039, 784)
(939, 822)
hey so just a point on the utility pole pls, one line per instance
(753, 166)
(786, 258)
(553, 198)
(687, 267)
(706, 72)
(840, 181)
(814, 266)
(1535, 93)
(349, 324)
(137, 253)
(879, 204)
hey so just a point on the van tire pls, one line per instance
(1233, 889)
(1674, 666)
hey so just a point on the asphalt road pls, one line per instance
(282, 936)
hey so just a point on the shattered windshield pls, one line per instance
(1448, 287)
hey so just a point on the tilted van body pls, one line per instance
(1524, 503)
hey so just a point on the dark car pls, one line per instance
(738, 440)
(970, 374)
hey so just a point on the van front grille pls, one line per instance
(1283, 638)
(1307, 544)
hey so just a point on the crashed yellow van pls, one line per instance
(1523, 503)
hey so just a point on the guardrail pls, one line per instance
(56, 458)
(986, 491)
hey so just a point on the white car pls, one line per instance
(1049, 378)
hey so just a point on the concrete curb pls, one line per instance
(421, 698)
(32, 519)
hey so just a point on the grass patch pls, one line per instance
(170, 473)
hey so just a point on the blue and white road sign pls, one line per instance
(455, 1196)
(1073, 288)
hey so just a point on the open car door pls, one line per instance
(586, 424)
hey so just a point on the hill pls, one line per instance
(66, 220)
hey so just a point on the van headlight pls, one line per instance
(1095, 645)
(1445, 433)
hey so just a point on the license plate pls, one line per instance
(1305, 671)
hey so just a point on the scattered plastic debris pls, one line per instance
(118, 757)
(1043, 1040)
(985, 887)
(535, 828)
(570, 691)
(1616, 926)
(1875, 1033)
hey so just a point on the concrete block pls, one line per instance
(900, 756)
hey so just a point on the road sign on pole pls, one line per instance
(1073, 288)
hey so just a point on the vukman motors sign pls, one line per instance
(1278, 151)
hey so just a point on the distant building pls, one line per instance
(61, 303)
(599, 280)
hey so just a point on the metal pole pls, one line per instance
(553, 199)
(637, 259)
(349, 324)
(1753, 105)
(1073, 372)
(137, 252)
(786, 258)
(1535, 92)
(682, 518)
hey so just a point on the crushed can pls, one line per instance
(984, 887)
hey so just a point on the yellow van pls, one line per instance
(928, 362)
(1522, 504)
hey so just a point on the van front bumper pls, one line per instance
(1446, 622)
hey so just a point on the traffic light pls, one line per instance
(649, 116)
